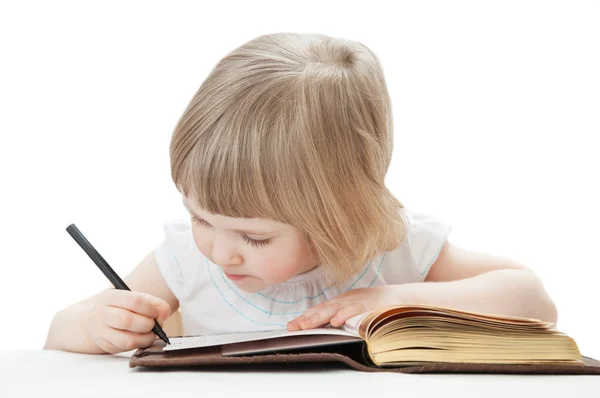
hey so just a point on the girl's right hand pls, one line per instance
(122, 320)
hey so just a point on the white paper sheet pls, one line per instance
(179, 343)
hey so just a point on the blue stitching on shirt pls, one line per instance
(293, 302)
(327, 288)
(297, 301)
(235, 309)
(252, 304)
(378, 269)
(268, 312)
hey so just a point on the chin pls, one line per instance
(252, 289)
(255, 287)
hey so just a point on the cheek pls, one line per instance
(277, 265)
(201, 243)
(276, 272)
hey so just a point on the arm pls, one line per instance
(480, 282)
(474, 281)
(69, 327)
(509, 292)
(459, 278)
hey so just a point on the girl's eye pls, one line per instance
(253, 242)
(256, 243)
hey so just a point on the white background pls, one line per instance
(496, 110)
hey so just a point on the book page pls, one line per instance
(351, 325)
(180, 343)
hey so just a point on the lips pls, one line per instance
(234, 277)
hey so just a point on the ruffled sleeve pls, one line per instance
(173, 254)
(425, 235)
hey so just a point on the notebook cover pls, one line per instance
(352, 354)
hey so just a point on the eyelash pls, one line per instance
(255, 243)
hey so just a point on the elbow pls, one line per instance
(541, 306)
(547, 311)
(553, 316)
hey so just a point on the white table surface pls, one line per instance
(33, 373)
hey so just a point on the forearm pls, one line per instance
(68, 330)
(504, 292)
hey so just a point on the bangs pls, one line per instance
(232, 169)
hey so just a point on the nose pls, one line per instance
(224, 252)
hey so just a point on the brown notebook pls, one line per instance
(404, 338)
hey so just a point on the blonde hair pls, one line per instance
(296, 128)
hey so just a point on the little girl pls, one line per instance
(280, 158)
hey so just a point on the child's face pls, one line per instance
(257, 264)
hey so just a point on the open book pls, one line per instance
(408, 336)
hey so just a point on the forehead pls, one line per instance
(250, 225)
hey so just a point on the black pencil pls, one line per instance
(108, 271)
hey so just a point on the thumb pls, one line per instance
(163, 308)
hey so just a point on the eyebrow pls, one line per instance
(240, 231)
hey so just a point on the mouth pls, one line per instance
(234, 277)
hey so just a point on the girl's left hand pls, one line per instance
(347, 305)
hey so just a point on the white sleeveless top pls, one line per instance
(212, 304)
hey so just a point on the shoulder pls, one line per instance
(176, 254)
(178, 234)
(178, 226)
(421, 224)
(426, 234)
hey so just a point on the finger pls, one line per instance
(163, 309)
(347, 312)
(126, 340)
(140, 303)
(98, 337)
(107, 346)
(313, 310)
(319, 318)
(122, 319)
(294, 324)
